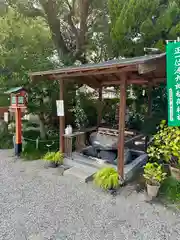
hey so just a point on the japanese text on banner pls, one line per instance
(173, 82)
(177, 81)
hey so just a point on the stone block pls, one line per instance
(109, 156)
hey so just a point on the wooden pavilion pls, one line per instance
(149, 70)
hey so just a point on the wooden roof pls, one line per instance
(15, 90)
(139, 70)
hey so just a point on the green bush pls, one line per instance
(109, 111)
(135, 121)
(170, 190)
(6, 141)
(50, 144)
(56, 157)
(31, 124)
(31, 134)
(166, 145)
(107, 178)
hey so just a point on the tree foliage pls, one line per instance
(136, 24)
(74, 25)
(25, 46)
(41, 34)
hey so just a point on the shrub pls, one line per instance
(12, 127)
(56, 157)
(170, 190)
(31, 124)
(31, 134)
(107, 178)
(30, 152)
(166, 145)
(153, 173)
(6, 141)
(49, 144)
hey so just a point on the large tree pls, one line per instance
(136, 24)
(75, 25)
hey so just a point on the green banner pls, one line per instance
(173, 82)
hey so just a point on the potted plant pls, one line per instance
(54, 159)
(154, 175)
(166, 148)
(107, 178)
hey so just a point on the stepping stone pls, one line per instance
(84, 174)
(36, 237)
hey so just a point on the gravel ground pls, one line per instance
(38, 204)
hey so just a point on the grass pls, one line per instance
(170, 191)
(6, 141)
(29, 156)
(31, 153)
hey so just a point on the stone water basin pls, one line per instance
(133, 159)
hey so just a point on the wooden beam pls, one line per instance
(88, 72)
(149, 111)
(94, 80)
(88, 81)
(118, 78)
(78, 70)
(61, 119)
(98, 79)
(137, 81)
(99, 110)
(122, 110)
(132, 81)
(147, 67)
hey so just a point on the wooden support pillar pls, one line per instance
(61, 119)
(99, 110)
(149, 111)
(122, 110)
(18, 144)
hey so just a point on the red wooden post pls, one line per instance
(18, 102)
(99, 107)
(122, 110)
(61, 119)
(18, 145)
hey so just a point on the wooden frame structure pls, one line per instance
(147, 70)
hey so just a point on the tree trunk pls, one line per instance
(42, 126)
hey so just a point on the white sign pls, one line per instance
(60, 108)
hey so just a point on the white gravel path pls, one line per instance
(37, 204)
